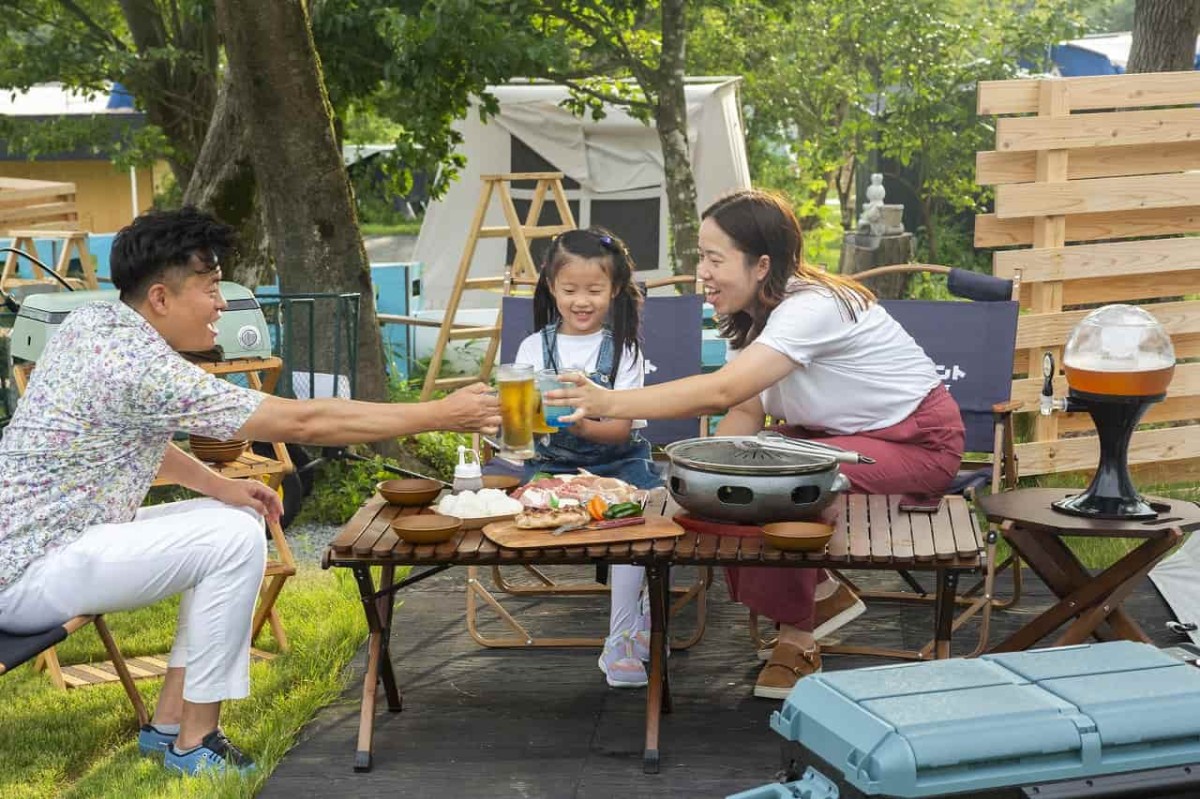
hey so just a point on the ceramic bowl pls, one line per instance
(426, 528)
(798, 536)
(409, 491)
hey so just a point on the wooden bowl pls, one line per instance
(501, 482)
(426, 528)
(798, 536)
(409, 491)
(216, 451)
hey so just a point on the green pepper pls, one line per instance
(622, 510)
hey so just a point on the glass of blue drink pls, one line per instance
(548, 380)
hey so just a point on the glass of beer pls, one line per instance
(519, 401)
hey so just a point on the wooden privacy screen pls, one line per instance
(28, 204)
(1096, 198)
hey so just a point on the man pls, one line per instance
(93, 431)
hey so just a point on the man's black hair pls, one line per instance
(158, 242)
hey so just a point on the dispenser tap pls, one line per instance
(1048, 404)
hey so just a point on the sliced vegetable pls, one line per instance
(553, 501)
(623, 510)
(596, 507)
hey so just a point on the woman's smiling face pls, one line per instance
(730, 280)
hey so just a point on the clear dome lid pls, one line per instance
(1119, 349)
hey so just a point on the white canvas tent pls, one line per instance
(614, 168)
(1175, 578)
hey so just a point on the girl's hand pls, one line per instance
(250, 494)
(588, 399)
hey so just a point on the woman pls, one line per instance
(816, 351)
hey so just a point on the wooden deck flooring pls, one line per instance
(500, 723)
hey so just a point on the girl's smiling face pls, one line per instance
(582, 292)
(730, 279)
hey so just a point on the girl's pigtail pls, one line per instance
(545, 310)
(626, 304)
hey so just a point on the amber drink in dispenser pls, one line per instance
(1118, 361)
(519, 402)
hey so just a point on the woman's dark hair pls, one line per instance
(761, 223)
(159, 242)
(625, 311)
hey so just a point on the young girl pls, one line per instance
(586, 308)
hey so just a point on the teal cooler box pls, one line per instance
(1112, 719)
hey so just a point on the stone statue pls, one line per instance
(878, 218)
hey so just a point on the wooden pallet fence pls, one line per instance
(1097, 202)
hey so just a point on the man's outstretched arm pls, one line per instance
(332, 422)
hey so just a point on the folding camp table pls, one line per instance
(1034, 530)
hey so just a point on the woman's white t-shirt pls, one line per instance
(851, 375)
(582, 352)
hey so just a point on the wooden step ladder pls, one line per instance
(521, 271)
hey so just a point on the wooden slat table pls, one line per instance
(873, 534)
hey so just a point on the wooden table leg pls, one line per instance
(1078, 591)
(1087, 623)
(657, 689)
(386, 605)
(667, 705)
(944, 604)
(377, 660)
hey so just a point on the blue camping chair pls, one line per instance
(972, 342)
(671, 333)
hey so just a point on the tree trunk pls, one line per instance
(1164, 36)
(178, 93)
(672, 124)
(310, 214)
(861, 252)
(223, 183)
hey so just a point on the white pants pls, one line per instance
(212, 553)
(625, 612)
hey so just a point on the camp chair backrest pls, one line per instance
(670, 344)
(972, 345)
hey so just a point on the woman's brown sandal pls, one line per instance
(788, 663)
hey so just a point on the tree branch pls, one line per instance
(608, 98)
(630, 60)
(92, 25)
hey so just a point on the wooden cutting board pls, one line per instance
(507, 534)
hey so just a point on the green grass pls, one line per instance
(408, 227)
(81, 743)
(1094, 552)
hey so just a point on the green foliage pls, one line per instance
(340, 487)
(438, 450)
(830, 84)
(1107, 16)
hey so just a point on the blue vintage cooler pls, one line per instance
(967, 726)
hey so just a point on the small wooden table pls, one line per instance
(873, 534)
(1034, 529)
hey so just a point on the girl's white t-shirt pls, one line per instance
(582, 352)
(850, 376)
